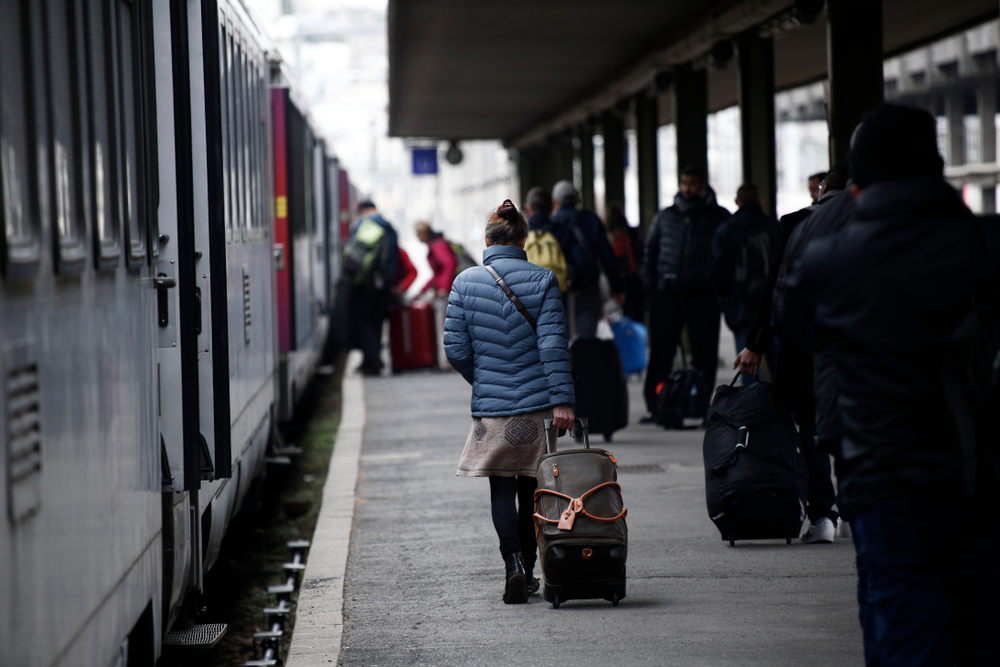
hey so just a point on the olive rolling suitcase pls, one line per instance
(580, 523)
(600, 385)
(755, 474)
(411, 336)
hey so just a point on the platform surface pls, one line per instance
(424, 576)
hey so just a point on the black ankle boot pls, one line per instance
(515, 592)
(532, 584)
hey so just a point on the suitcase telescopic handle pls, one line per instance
(550, 439)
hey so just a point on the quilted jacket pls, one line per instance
(512, 369)
(679, 245)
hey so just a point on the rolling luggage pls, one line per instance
(630, 337)
(411, 336)
(580, 523)
(755, 474)
(600, 385)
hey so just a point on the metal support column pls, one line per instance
(531, 169)
(756, 98)
(524, 176)
(690, 93)
(854, 67)
(647, 117)
(546, 165)
(586, 136)
(954, 111)
(614, 158)
(562, 158)
(987, 109)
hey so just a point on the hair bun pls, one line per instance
(508, 211)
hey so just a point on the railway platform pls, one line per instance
(405, 570)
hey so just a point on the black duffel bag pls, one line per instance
(755, 474)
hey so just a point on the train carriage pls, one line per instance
(298, 231)
(140, 295)
(80, 541)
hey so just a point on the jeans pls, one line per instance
(515, 525)
(771, 355)
(820, 495)
(927, 582)
(668, 314)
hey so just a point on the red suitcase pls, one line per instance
(411, 336)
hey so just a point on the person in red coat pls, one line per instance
(406, 274)
(443, 262)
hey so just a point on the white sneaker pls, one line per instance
(844, 529)
(820, 532)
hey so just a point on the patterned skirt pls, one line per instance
(504, 446)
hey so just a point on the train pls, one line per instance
(172, 228)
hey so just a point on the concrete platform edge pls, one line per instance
(319, 618)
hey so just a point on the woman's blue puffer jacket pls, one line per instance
(512, 370)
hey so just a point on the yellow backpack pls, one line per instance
(544, 250)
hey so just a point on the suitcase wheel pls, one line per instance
(607, 437)
(732, 541)
(788, 540)
(614, 600)
(555, 602)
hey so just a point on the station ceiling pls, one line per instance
(520, 69)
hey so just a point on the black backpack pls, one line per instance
(754, 262)
(580, 274)
(683, 395)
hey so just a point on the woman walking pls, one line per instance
(513, 350)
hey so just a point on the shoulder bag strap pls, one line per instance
(517, 302)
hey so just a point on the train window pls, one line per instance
(129, 64)
(224, 125)
(107, 224)
(240, 171)
(244, 144)
(266, 187)
(258, 157)
(19, 241)
(231, 210)
(247, 129)
(65, 159)
(251, 113)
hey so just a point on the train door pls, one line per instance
(232, 222)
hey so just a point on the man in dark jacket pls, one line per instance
(678, 268)
(883, 296)
(585, 245)
(827, 216)
(795, 381)
(370, 298)
(744, 251)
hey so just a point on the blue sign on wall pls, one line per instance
(425, 161)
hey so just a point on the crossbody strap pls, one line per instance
(513, 297)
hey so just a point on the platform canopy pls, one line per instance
(520, 70)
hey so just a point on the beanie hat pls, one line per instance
(564, 190)
(894, 142)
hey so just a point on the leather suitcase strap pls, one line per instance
(576, 507)
(513, 297)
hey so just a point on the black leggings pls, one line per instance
(515, 525)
